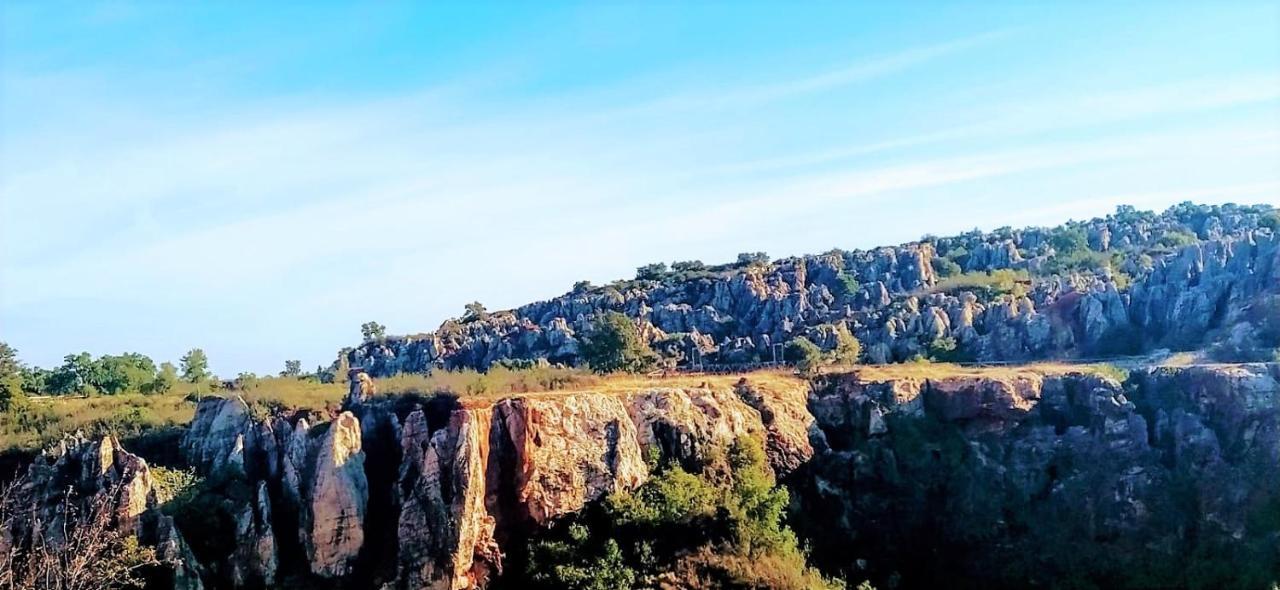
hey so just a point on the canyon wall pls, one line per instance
(1016, 479)
(911, 476)
(431, 495)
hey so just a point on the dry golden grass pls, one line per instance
(43, 421)
(927, 370)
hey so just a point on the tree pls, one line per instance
(1067, 240)
(246, 381)
(9, 363)
(688, 266)
(475, 311)
(848, 349)
(292, 369)
(753, 258)
(806, 355)
(847, 285)
(11, 371)
(195, 366)
(614, 344)
(77, 374)
(164, 380)
(126, 372)
(651, 272)
(373, 331)
(1271, 221)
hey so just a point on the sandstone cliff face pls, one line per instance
(1045, 480)
(466, 478)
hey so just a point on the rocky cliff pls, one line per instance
(83, 498)
(399, 494)
(1127, 283)
(1016, 478)
(910, 475)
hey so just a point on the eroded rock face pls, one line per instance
(568, 451)
(337, 499)
(216, 437)
(1024, 479)
(1166, 299)
(998, 475)
(446, 534)
(97, 477)
(468, 478)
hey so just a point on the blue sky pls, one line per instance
(258, 179)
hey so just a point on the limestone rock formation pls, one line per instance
(337, 497)
(893, 301)
(79, 478)
(1058, 475)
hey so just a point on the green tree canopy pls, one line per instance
(804, 353)
(195, 366)
(11, 372)
(292, 368)
(614, 344)
(475, 311)
(373, 331)
(848, 349)
(1068, 240)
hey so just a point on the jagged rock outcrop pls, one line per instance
(562, 453)
(469, 477)
(256, 558)
(95, 483)
(1017, 479)
(217, 435)
(337, 497)
(892, 300)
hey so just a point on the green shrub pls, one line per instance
(946, 267)
(804, 354)
(723, 523)
(997, 282)
(614, 345)
(1068, 240)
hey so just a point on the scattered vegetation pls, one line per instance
(719, 526)
(996, 282)
(88, 553)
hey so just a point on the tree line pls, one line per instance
(108, 374)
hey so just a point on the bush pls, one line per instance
(1177, 238)
(1068, 240)
(847, 285)
(997, 282)
(848, 349)
(945, 267)
(614, 345)
(651, 272)
(804, 354)
(946, 350)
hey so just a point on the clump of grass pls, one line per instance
(496, 381)
(1109, 371)
(291, 392)
(997, 282)
(46, 420)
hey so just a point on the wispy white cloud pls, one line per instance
(401, 207)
